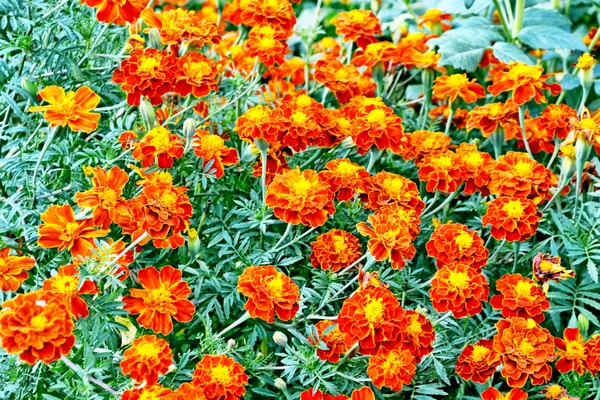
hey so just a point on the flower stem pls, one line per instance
(234, 324)
(449, 122)
(82, 374)
(47, 144)
(374, 155)
(503, 20)
(447, 201)
(500, 246)
(288, 229)
(523, 132)
(516, 248)
(554, 153)
(518, 22)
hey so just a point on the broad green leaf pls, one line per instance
(541, 16)
(507, 52)
(462, 56)
(549, 38)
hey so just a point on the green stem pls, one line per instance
(523, 132)
(500, 246)
(584, 96)
(288, 229)
(503, 20)
(239, 321)
(47, 144)
(516, 248)
(518, 22)
(374, 155)
(497, 139)
(447, 201)
(554, 153)
(450, 116)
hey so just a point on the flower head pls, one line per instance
(421, 143)
(71, 109)
(65, 284)
(220, 377)
(524, 81)
(441, 171)
(13, 270)
(334, 340)
(592, 349)
(178, 26)
(345, 81)
(492, 393)
(417, 335)
(154, 392)
(478, 362)
(160, 146)
(476, 168)
(335, 250)
(392, 369)
(489, 117)
(451, 243)
(520, 297)
(385, 188)
(513, 218)
(571, 352)
(212, 148)
(147, 357)
(433, 16)
(274, 13)
(547, 268)
(357, 26)
(196, 74)
(344, 177)
(555, 392)
(460, 289)
(118, 12)
(260, 122)
(269, 292)
(449, 87)
(556, 119)
(302, 117)
(163, 297)
(187, 391)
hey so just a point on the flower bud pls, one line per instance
(583, 323)
(586, 65)
(375, 6)
(148, 113)
(154, 39)
(280, 338)
(193, 242)
(261, 143)
(29, 86)
(567, 167)
(231, 344)
(189, 128)
(249, 154)
(280, 384)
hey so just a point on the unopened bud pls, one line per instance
(280, 338)
(375, 6)
(348, 143)
(193, 242)
(29, 86)
(231, 344)
(583, 323)
(148, 113)
(586, 65)
(280, 384)
(154, 39)
(189, 128)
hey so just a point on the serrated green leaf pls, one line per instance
(549, 38)
(507, 52)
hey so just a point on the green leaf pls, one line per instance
(461, 56)
(549, 38)
(592, 270)
(541, 16)
(507, 52)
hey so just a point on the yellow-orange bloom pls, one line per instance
(547, 268)
(212, 148)
(489, 117)
(441, 171)
(476, 168)
(571, 352)
(524, 81)
(302, 116)
(147, 357)
(177, 26)
(520, 297)
(335, 250)
(478, 362)
(344, 177)
(460, 289)
(154, 392)
(71, 109)
(449, 87)
(65, 284)
(187, 391)
(513, 218)
(260, 122)
(196, 74)
(220, 377)
(421, 143)
(417, 335)
(455, 243)
(118, 12)
(345, 81)
(13, 270)
(358, 26)
(278, 14)
(385, 188)
(158, 146)
(334, 339)
(392, 369)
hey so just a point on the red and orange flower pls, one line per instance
(571, 352)
(154, 392)
(212, 148)
(302, 116)
(421, 143)
(334, 339)
(385, 188)
(335, 250)
(358, 26)
(158, 146)
(449, 87)
(393, 369)
(441, 171)
(524, 81)
(520, 297)
(118, 12)
(13, 270)
(277, 14)
(492, 393)
(513, 218)
(344, 177)
(451, 243)
(220, 377)
(260, 122)
(196, 74)
(178, 26)
(592, 351)
(147, 357)
(458, 288)
(65, 284)
(476, 168)
(478, 362)
(417, 335)
(187, 391)
(489, 117)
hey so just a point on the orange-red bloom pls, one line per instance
(65, 284)
(547, 268)
(158, 146)
(449, 87)
(476, 168)
(345, 81)
(118, 12)
(147, 357)
(373, 318)
(277, 14)
(592, 350)
(538, 137)
(571, 352)
(260, 122)
(344, 177)
(488, 117)
(460, 289)
(269, 292)
(196, 74)
(212, 148)
(556, 119)
(335, 250)
(302, 118)
(525, 349)
(106, 196)
(513, 218)
(154, 392)
(524, 81)
(300, 197)
(417, 335)
(441, 171)
(478, 362)
(187, 391)
(456, 243)
(392, 369)
(520, 297)
(316, 394)
(492, 393)
(421, 143)
(268, 44)
(13, 270)
(385, 188)
(178, 26)
(220, 377)
(358, 26)
(434, 16)
(37, 326)
(60, 229)
(336, 341)
(71, 109)
(164, 297)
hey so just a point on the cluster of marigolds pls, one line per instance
(166, 64)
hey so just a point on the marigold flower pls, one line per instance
(177, 26)
(343, 80)
(488, 117)
(516, 175)
(147, 357)
(187, 391)
(452, 243)
(65, 284)
(37, 326)
(163, 297)
(364, 393)
(292, 68)
(268, 44)
(358, 26)
(106, 196)
(555, 392)
(513, 218)
(374, 53)
(556, 119)
(421, 143)
(520, 297)
(275, 13)
(344, 177)
(335, 250)
(302, 117)
(335, 341)
(571, 352)
(196, 74)
(71, 109)
(441, 171)
(392, 369)
(587, 127)
(154, 392)
(409, 217)
(478, 362)
(212, 148)
(372, 317)
(118, 12)
(269, 292)
(476, 168)
(525, 349)
(547, 268)
(300, 197)
(592, 349)
(538, 137)
(335, 125)
(276, 161)
(60, 229)
(492, 393)
(329, 46)
(524, 81)
(433, 16)
(385, 188)
(316, 394)
(146, 73)
(160, 146)
(220, 377)
(418, 335)
(375, 125)
(458, 288)
(449, 87)
(13, 270)
(426, 60)
(260, 122)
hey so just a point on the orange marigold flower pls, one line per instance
(329, 46)
(13, 270)
(513, 218)
(212, 149)
(452, 243)
(335, 125)
(187, 391)
(426, 60)
(441, 171)
(459, 119)
(302, 117)
(538, 137)
(177, 26)
(392, 369)
(118, 12)
(71, 109)
(316, 394)
(275, 13)
(276, 161)
(334, 339)
(385, 188)
(492, 393)
(516, 175)
(433, 16)
(520, 297)
(146, 73)
(358, 26)
(488, 117)
(374, 53)
(458, 288)
(335, 250)
(292, 68)
(164, 297)
(269, 292)
(524, 81)
(65, 284)
(160, 146)
(364, 393)
(476, 168)
(525, 349)
(196, 74)
(556, 119)
(60, 229)
(343, 80)
(555, 392)
(372, 317)
(268, 44)
(220, 377)
(376, 125)
(37, 326)
(478, 362)
(592, 349)
(106, 196)
(421, 143)
(147, 357)
(300, 197)
(547, 268)
(344, 177)
(449, 87)
(154, 392)
(418, 334)
(409, 217)
(571, 352)
(260, 122)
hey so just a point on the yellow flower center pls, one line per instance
(514, 209)
(160, 140)
(275, 286)
(524, 168)
(66, 284)
(525, 347)
(521, 72)
(147, 350)
(160, 298)
(266, 43)
(266, 30)
(546, 266)
(339, 244)
(211, 144)
(575, 350)
(358, 16)
(3, 265)
(554, 391)
(198, 70)
(69, 231)
(393, 186)
(301, 187)
(341, 74)
(457, 81)
(347, 168)
(588, 124)
(148, 64)
(257, 114)
(474, 159)
(479, 353)
(374, 310)
(568, 151)
(523, 290)
(39, 322)
(376, 117)
(415, 327)
(586, 62)
(299, 118)
(108, 198)
(463, 240)
(168, 199)
(221, 374)
(442, 161)
(88, 170)
(303, 100)
(494, 109)
(459, 280)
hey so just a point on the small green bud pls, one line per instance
(583, 323)
(280, 384)
(148, 113)
(154, 39)
(193, 242)
(29, 86)
(280, 338)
